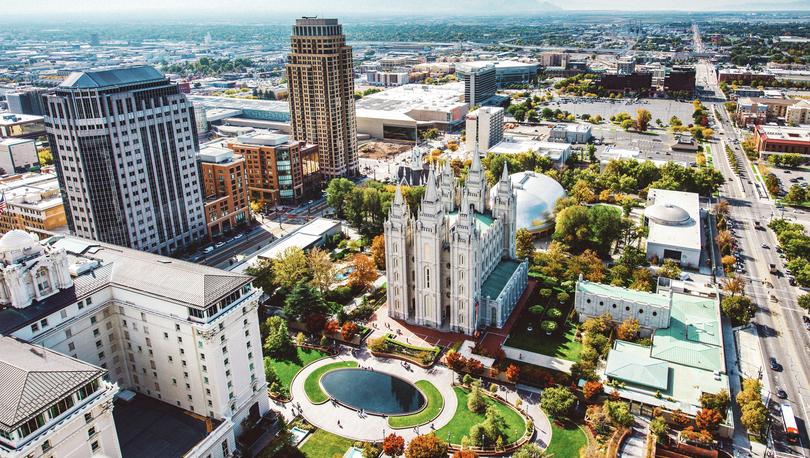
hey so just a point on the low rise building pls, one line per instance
(595, 299)
(400, 113)
(673, 218)
(54, 405)
(225, 189)
(17, 155)
(781, 139)
(570, 133)
(280, 171)
(21, 125)
(798, 113)
(513, 144)
(33, 203)
(181, 333)
(311, 235)
(743, 76)
(484, 128)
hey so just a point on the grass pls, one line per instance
(463, 419)
(561, 344)
(565, 440)
(287, 368)
(435, 404)
(312, 385)
(322, 444)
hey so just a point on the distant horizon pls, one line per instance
(85, 10)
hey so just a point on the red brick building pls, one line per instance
(225, 190)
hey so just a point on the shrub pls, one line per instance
(548, 326)
(536, 310)
(554, 313)
(348, 330)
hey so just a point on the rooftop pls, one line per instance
(10, 119)
(514, 145)
(784, 133)
(240, 104)
(32, 377)
(674, 218)
(497, 280)
(112, 78)
(537, 194)
(401, 101)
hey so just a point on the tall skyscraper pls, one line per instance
(320, 78)
(479, 81)
(124, 144)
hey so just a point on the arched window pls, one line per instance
(427, 278)
(42, 280)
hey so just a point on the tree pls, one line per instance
(524, 243)
(321, 268)
(708, 419)
(628, 330)
(513, 373)
(290, 267)
(643, 118)
(722, 208)
(269, 373)
(557, 401)
(728, 262)
(378, 251)
(674, 121)
(529, 450)
(739, 308)
(717, 401)
(796, 194)
(262, 273)
(591, 389)
(426, 446)
(658, 426)
(669, 269)
(336, 193)
(627, 124)
(302, 301)
(464, 454)
(804, 301)
(733, 285)
(45, 156)
(364, 272)
(618, 412)
(476, 401)
(642, 280)
(278, 341)
(393, 445)
(348, 330)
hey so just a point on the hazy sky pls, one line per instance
(225, 8)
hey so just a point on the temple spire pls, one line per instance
(476, 160)
(398, 195)
(431, 193)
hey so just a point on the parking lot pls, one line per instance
(654, 147)
(789, 177)
(659, 108)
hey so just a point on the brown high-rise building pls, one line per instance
(320, 78)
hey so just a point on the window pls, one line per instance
(91, 432)
(35, 327)
(94, 446)
(46, 446)
(88, 417)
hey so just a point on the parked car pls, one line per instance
(781, 393)
(208, 249)
(219, 244)
(774, 364)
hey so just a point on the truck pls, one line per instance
(789, 421)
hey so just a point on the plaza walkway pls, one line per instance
(373, 428)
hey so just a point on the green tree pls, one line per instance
(290, 267)
(475, 400)
(796, 194)
(529, 450)
(278, 342)
(262, 273)
(627, 124)
(302, 301)
(557, 401)
(739, 309)
(618, 412)
(669, 269)
(524, 243)
(804, 301)
(336, 193)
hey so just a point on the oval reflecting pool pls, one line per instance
(374, 392)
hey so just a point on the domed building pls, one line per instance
(30, 271)
(674, 221)
(537, 194)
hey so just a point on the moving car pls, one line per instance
(774, 364)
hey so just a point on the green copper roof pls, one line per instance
(630, 362)
(111, 78)
(693, 336)
(497, 280)
(482, 221)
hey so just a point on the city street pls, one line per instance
(783, 336)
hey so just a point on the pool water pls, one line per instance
(374, 392)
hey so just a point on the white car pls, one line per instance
(219, 244)
(208, 249)
(238, 236)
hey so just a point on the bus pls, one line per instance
(791, 429)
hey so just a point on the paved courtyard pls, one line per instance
(374, 427)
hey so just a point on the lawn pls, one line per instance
(435, 404)
(287, 368)
(312, 385)
(565, 441)
(461, 422)
(322, 444)
(562, 343)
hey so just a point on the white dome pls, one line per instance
(17, 240)
(537, 194)
(667, 214)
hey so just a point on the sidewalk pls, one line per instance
(549, 362)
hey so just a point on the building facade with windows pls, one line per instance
(484, 128)
(33, 203)
(479, 81)
(54, 405)
(279, 171)
(181, 333)
(320, 76)
(453, 267)
(125, 145)
(225, 189)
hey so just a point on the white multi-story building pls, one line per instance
(179, 332)
(17, 155)
(484, 128)
(595, 299)
(453, 266)
(53, 405)
(125, 144)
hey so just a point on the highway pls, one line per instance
(782, 334)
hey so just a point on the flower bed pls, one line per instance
(387, 345)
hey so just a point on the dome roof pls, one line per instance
(17, 240)
(537, 194)
(668, 214)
